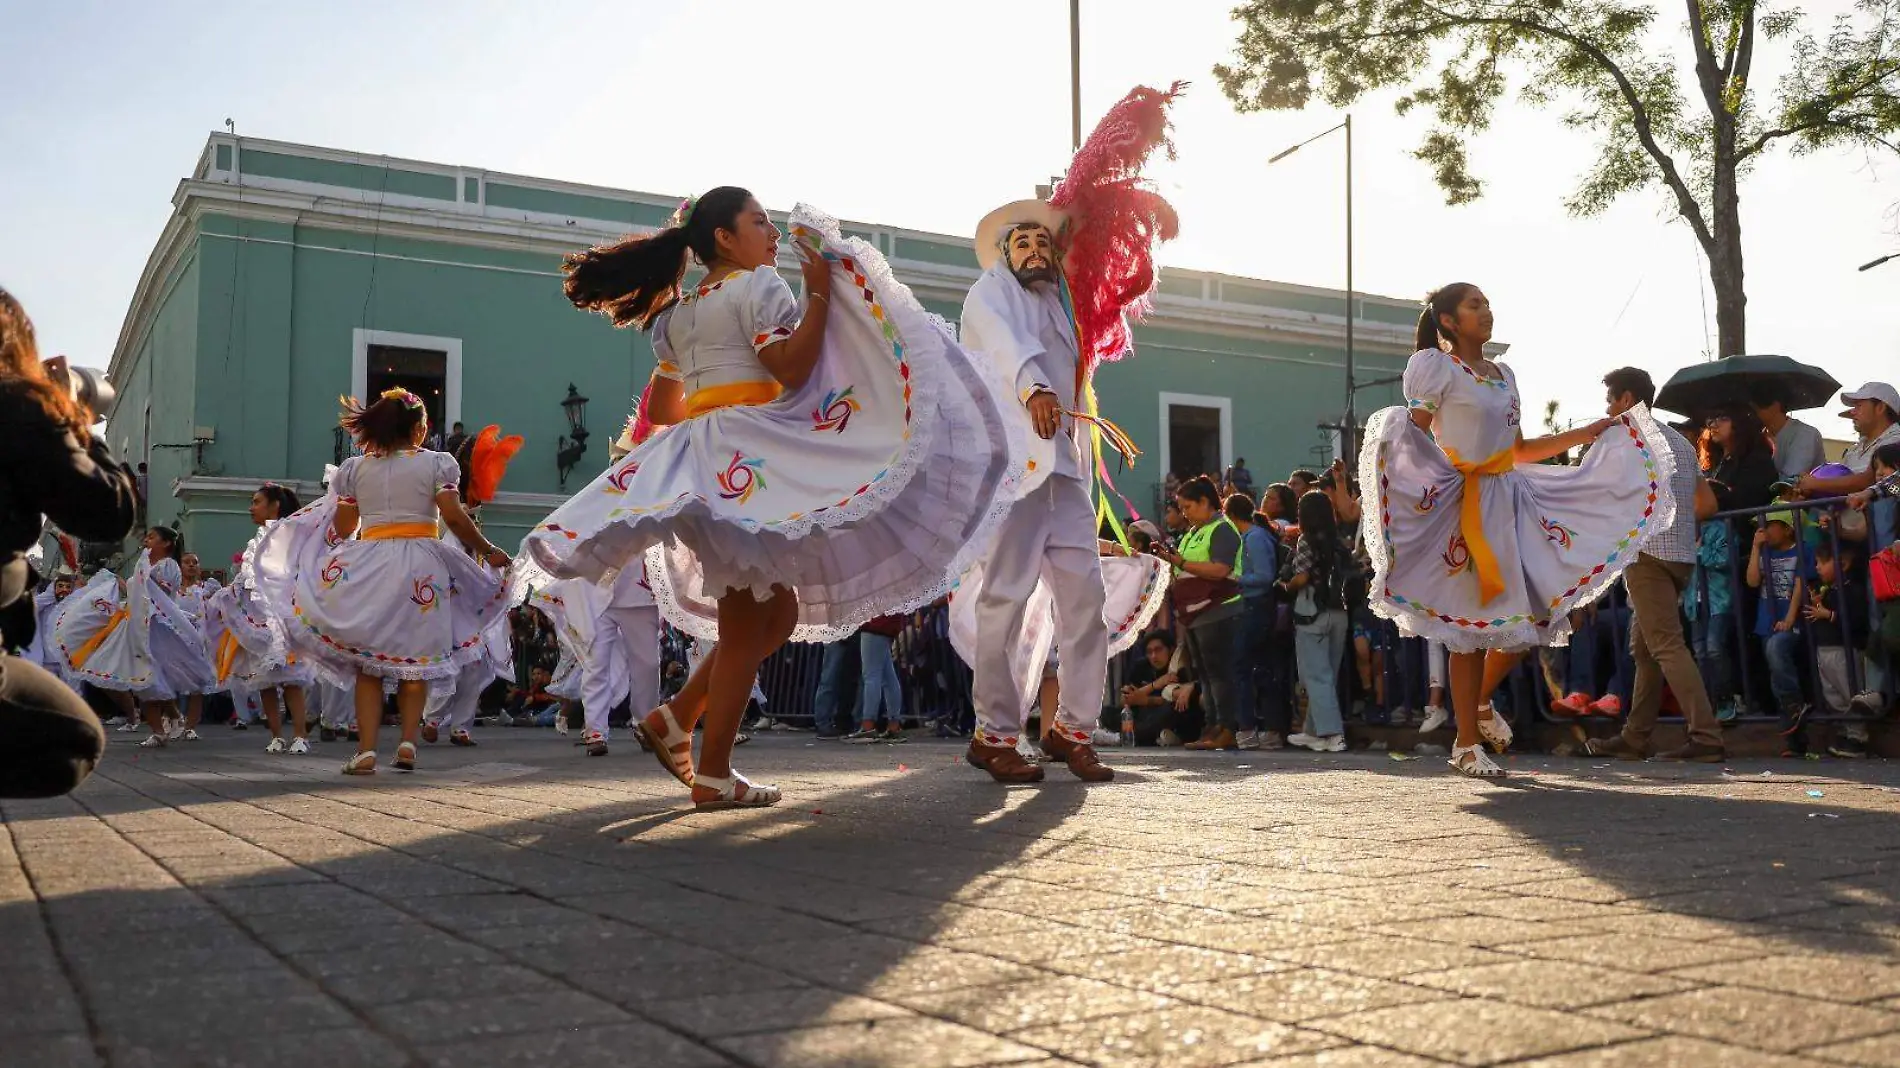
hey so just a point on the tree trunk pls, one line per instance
(1725, 258)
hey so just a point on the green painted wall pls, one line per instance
(159, 381)
(350, 175)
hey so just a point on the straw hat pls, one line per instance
(995, 226)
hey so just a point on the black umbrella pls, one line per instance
(1708, 387)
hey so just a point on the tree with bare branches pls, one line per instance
(1456, 59)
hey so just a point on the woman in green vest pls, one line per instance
(1208, 550)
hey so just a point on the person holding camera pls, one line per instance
(51, 466)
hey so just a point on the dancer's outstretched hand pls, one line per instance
(1045, 414)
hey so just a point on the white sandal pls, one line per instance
(755, 796)
(673, 746)
(1494, 730)
(1480, 766)
(363, 763)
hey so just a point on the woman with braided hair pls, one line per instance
(364, 587)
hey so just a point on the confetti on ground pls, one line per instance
(1400, 756)
(1816, 793)
(1824, 815)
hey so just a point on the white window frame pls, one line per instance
(1197, 400)
(361, 340)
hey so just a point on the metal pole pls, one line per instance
(1075, 75)
(1352, 422)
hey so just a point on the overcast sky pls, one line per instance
(921, 115)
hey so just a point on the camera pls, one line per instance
(89, 387)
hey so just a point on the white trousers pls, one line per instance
(624, 662)
(457, 713)
(1048, 537)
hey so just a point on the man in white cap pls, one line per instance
(1875, 411)
(1016, 316)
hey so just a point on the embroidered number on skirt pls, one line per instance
(1557, 532)
(424, 596)
(619, 479)
(333, 573)
(1457, 555)
(1427, 500)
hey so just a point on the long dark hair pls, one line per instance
(635, 280)
(1283, 494)
(174, 541)
(283, 497)
(386, 425)
(1441, 302)
(1319, 528)
(1747, 436)
(20, 365)
(1201, 488)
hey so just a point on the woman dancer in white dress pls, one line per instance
(395, 602)
(195, 590)
(1493, 573)
(822, 466)
(248, 644)
(136, 637)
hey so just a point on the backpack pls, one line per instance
(1334, 588)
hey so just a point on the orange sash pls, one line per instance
(1471, 517)
(733, 395)
(85, 651)
(388, 531)
(227, 654)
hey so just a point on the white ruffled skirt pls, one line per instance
(248, 647)
(155, 651)
(1561, 535)
(1136, 587)
(405, 608)
(867, 491)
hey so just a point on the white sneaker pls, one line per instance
(1326, 743)
(1247, 740)
(1105, 739)
(1435, 718)
(1302, 739)
(156, 741)
(299, 747)
(560, 724)
(116, 721)
(189, 735)
(130, 726)
(276, 746)
(174, 729)
(1168, 739)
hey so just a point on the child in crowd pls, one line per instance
(1775, 567)
(1837, 613)
(1709, 604)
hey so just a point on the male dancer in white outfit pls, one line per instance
(1015, 315)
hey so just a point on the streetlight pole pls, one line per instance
(1350, 424)
(1878, 262)
(1075, 75)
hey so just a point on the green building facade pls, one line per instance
(289, 275)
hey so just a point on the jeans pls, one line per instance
(1714, 641)
(880, 686)
(833, 670)
(1783, 649)
(49, 740)
(1253, 672)
(1318, 647)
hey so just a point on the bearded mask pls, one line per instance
(1031, 249)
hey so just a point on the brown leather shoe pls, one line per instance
(1083, 763)
(1613, 746)
(1004, 763)
(1219, 738)
(1698, 752)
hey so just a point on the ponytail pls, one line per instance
(633, 281)
(1440, 302)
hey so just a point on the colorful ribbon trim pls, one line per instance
(733, 395)
(84, 652)
(1471, 516)
(393, 531)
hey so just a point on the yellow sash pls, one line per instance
(92, 644)
(1471, 516)
(227, 654)
(387, 531)
(732, 395)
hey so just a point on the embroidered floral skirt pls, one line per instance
(1560, 535)
(866, 491)
(155, 652)
(407, 608)
(247, 645)
(1136, 587)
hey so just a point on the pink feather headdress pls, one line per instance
(1115, 218)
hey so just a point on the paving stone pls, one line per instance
(50, 1050)
(1296, 995)
(1185, 1036)
(1634, 954)
(1382, 958)
(721, 1015)
(915, 1042)
(1671, 1051)
(1830, 977)
(1029, 1006)
(1881, 1049)
(1550, 984)
(1754, 1019)
(455, 1019)
(1474, 1032)
(314, 1049)
(617, 1046)
(1162, 968)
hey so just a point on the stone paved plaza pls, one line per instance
(520, 904)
